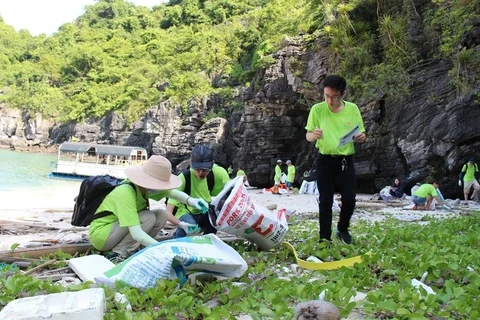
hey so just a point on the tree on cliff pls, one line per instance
(121, 57)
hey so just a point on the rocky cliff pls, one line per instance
(427, 134)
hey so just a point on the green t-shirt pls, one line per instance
(278, 173)
(125, 203)
(469, 170)
(425, 190)
(199, 189)
(240, 172)
(334, 126)
(291, 173)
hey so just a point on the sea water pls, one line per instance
(23, 170)
(25, 181)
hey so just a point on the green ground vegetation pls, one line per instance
(447, 249)
(126, 58)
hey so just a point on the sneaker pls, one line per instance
(345, 237)
(115, 257)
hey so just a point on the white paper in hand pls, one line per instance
(349, 137)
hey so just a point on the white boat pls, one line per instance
(80, 160)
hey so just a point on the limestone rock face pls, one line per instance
(429, 133)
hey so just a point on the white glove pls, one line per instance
(189, 228)
(459, 183)
(198, 203)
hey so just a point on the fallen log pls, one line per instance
(9, 259)
(36, 253)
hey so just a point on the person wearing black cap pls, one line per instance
(469, 177)
(201, 167)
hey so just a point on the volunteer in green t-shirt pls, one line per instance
(334, 125)
(290, 175)
(468, 177)
(132, 222)
(201, 165)
(278, 173)
(424, 195)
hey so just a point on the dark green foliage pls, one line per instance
(116, 55)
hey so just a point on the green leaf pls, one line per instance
(402, 311)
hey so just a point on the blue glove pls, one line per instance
(446, 207)
(199, 204)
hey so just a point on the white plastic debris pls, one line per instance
(322, 295)
(360, 296)
(122, 299)
(68, 281)
(314, 259)
(417, 284)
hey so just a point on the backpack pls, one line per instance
(92, 192)
(188, 182)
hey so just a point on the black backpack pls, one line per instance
(188, 182)
(92, 192)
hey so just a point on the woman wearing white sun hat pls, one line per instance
(132, 223)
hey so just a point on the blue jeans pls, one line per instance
(419, 201)
(207, 228)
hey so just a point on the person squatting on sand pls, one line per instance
(327, 123)
(132, 223)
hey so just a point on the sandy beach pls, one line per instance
(45, 213)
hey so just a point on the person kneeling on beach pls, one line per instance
(424, 195)
(132, 223)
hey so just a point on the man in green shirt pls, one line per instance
(201, 165)
(424, 195)
(468, 176)
(334, 125)
(131, 222)
(290, 175)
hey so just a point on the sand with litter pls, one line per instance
(53, 207)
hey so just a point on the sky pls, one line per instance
(46, 16)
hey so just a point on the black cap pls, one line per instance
(471, 160)
(202, 157)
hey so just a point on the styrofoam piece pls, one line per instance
(89, 267)
(80, 305)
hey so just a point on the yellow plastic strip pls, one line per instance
(322, 265)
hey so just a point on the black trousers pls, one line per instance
(329, 171)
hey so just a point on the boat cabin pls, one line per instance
(88, 159)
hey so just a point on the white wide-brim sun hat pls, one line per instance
(156, 174)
